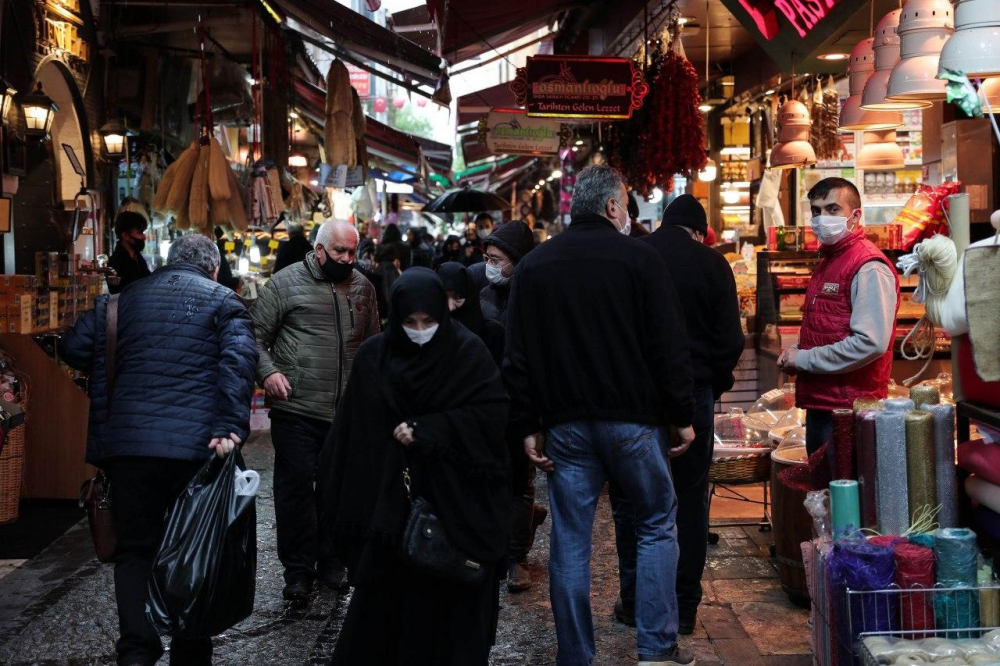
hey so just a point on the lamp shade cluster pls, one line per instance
(924, 27)
(852, 117)
(887, 50)
(792, 149)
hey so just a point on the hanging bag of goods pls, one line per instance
(924, 214)
(341, 146)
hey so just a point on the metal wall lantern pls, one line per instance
(39, 112)
(114, 135)
(7, 94)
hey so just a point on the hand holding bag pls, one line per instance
(95, 494)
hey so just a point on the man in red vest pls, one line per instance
(849, 317)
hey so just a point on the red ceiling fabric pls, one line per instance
(469, 24)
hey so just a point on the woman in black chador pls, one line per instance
(424, 395)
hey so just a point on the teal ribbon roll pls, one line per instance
(845, 508)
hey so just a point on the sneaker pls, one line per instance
(676, 657)
(297, 591)
(624, 615)
(518, 577)
(335, 578)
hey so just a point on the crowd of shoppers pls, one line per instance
(593, 357)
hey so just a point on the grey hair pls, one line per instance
(594, 186)
(197, 250)
(327, 230)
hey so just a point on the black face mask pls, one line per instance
(138, 245)
(335, 271)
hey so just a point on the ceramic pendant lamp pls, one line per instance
(852, 117)
(886, 46)
(793, 149)
(924, 27)
(880, 152)
(975, 47)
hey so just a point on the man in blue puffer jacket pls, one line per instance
(183, 380)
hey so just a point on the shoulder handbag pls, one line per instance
(427, 548)
(95, 494)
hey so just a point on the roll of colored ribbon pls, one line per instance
(920, 469)
(956, 555)
(890, 452)
(925, 395)
(861, 404)
(915, 570)
(857, 565)
(945, 476)
(845, 508)
(898, 405)
(843, 444)
(864, 427)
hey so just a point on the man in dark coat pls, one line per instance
(706, 288)
(597, 367)
(295, 249)
(182, 382)
(504, 248)
(127, 260)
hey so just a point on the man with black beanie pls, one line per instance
(503, 248)
(707, 291)
(130, 229)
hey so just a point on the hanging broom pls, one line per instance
(198, 202)
(163, 191)
(237, 205)
(218, 181)
(180, 188)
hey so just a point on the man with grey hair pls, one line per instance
(598, 370)
(309, 321)
(194, 336)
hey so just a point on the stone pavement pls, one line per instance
(58, 608)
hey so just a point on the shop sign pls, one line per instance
(360, 81)
(512, 132)
(59, 32)
(341, 176)
(802, 14)
(594, 88)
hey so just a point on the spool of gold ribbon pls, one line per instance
(920, 469)
(925, 395)
(862, 404)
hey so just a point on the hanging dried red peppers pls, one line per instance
(666, 136)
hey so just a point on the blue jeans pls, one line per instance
(586, 454)
(690, 476)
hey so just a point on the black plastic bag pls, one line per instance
(205, 573)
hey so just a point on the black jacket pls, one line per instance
(494, 302)
(184, 367)
(595, 332)
(292, 251)
(707, 290)
(127, 268)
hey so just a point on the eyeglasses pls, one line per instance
(492, 260)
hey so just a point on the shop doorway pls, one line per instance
(47, 194)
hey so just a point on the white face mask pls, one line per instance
(495, 275)
(421, 338)
(830, 229)
(455, 303)
(627, 227)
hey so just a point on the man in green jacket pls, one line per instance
(309, 321)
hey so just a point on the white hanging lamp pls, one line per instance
(880, 152)
(924, 27)
(886, 47)
(852, 117)
(974, 49)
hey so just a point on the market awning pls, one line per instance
(383, 141)
(475, 104)
(353, 32)
(467, 25)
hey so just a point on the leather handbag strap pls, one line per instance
(111, 340)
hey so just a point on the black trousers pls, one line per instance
(297, 442)
(819, 431)
(690, 474)
(143, 490)
(522, 535)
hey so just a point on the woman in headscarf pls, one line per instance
(426, 396)
(463, 303)
(450, 251)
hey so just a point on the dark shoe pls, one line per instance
(518, 577)
(687, 624)
(538, 515)
(335, 578)
(623, 615)
(676, 657)
(297, 591)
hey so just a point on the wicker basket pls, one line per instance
(12, 466)
(750, 468)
